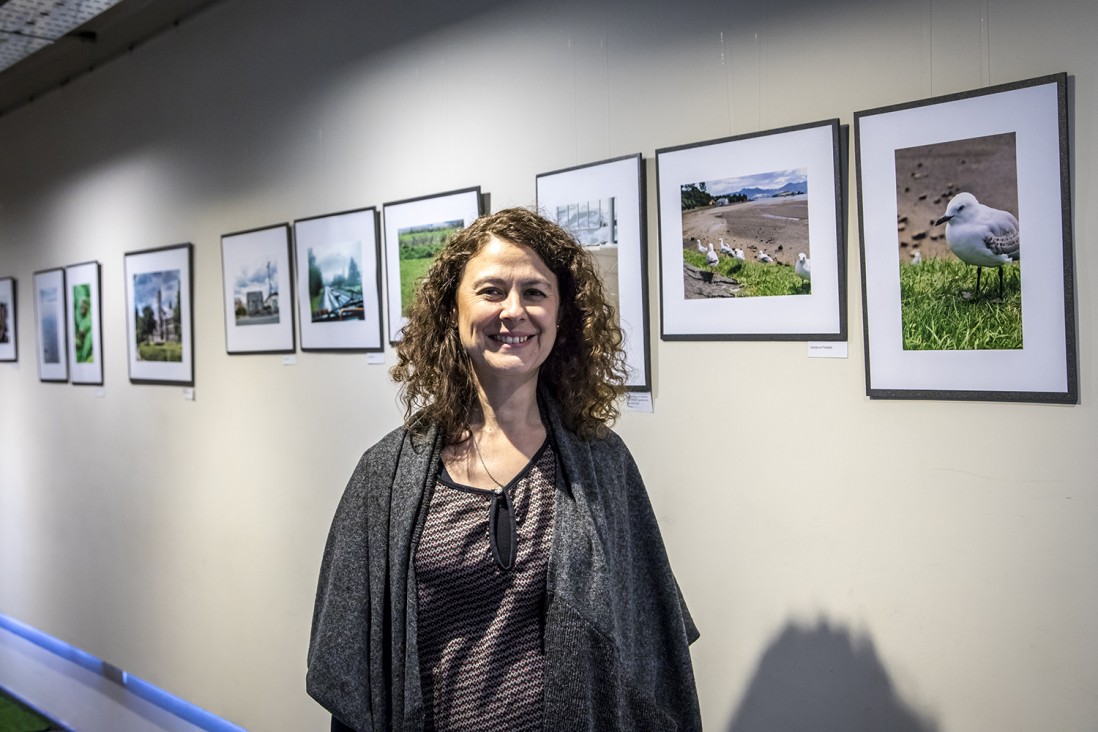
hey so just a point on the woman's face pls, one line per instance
(507, 304)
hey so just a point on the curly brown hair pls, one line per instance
(585, 371)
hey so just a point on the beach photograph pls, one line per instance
(747, 236)
(959, 244)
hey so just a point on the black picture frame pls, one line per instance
(160, 315)
(325, 248)
(49, 325)
(951, 188)
(84, 322)
(432, 218)
(9, 341)
(603, 204)
(258, 290)
(736, 215)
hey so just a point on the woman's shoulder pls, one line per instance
(400, 443)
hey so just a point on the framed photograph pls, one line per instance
(49, 321)
(255, 266)
(8, 350)
(603, 205)
(415, 230)
(751, 233)
(964, 213)
(339, 281)
(160, 308)
(84, 316)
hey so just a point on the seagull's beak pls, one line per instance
(943, 220)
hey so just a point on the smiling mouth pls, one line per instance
(511, 340)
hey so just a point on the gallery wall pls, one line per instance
(859, 564)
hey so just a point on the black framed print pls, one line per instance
(751, 234)
(160, 315)
(8, 343)
(338, 261)
(84, 316)
(255, 267)
(966, 246)
(49, 321)
(415, 230)
(602, 204)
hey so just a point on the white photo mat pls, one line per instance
(160, 278)
(258, 291)
(84, 317)
(620, 181)
(1043, 369)
(820, 315)
(464, 206)
(49, 325)
(332, 240)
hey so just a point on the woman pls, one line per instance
(495, 563)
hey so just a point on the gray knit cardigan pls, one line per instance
(617, 631)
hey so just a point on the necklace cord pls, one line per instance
(482, 463)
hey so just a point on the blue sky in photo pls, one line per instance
(775, 179)
(146, 284)
(256, 277)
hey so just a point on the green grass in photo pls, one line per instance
(756, 278)
(16, 717)
(411, 270)
(937, 317)
(418, 247)
(160, 352)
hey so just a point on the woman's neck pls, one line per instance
(509, 409)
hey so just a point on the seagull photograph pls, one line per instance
(957, 211)
(762, 213)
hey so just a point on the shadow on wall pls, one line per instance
(823, 679)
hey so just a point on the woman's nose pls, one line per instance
(513, 307)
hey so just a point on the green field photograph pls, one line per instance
(417, 246)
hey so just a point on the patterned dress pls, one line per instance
(481, 591)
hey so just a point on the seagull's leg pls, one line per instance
(979, 271)
(1000, 282)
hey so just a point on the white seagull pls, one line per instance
(711, 257)
(764, 257)
(980, 235)
(916, 257)
(738, 254)
(725, 249)
(701, 247)
(803, 267)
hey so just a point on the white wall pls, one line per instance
(852, 564)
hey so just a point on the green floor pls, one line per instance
(15, 717)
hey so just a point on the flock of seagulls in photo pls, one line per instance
(803, 266)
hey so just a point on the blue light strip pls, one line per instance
(138, 687)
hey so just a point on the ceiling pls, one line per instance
(44, 44)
